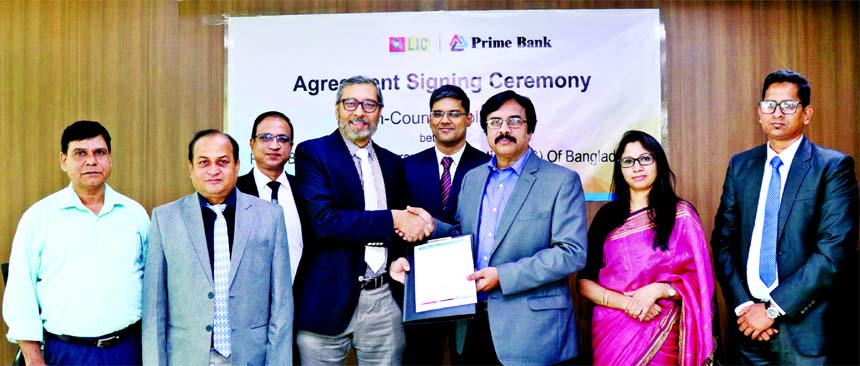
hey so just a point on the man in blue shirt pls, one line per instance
(76, 268)
(527, 218)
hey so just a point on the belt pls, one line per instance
(373, 283)
(105, 341)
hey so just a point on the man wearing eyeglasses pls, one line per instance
(786, 225)
(353, 193)
(434, 177)
(271, 144)
(527, 217)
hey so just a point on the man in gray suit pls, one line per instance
(527, 218)
(217, 279)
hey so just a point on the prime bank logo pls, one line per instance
(458, 43)
(408, 44)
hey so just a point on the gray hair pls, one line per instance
(358, 79)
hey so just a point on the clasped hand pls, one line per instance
(642, 302)
(413, 224)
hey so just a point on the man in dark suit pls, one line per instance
(352, 192)
(271, 144)
(786, 225)
(433, 178)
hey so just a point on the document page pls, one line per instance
(441, 267)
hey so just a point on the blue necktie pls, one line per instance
(767, 258)
(221, 275)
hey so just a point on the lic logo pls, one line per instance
(408, 44)
(458, 43)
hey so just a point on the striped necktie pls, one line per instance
(446, 180)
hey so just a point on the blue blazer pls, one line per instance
(330, 195)
(540, 242)
(817, 231)
(422, 178)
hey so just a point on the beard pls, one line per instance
(354, 134)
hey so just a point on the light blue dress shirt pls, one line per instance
(497, 192)
(84, 271)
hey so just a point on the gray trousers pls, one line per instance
(375, 331)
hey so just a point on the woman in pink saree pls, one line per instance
(649, 269)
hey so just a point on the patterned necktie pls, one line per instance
(446, 180)
(274, 185)
(374, 256)
(767, 258)
(221, 275)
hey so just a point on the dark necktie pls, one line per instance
(767, 258)
(446, 180)
(274, 185)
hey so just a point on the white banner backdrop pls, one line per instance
(592, 74)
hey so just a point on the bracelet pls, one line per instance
(605, 298)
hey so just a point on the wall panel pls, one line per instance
(153, 73)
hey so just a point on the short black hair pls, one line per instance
(82, 130)
(211, 131)
(495, 102)
(804, 92)
(268, 114)
(450, 91)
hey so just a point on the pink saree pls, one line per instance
(681, 334)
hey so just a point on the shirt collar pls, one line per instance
(71, 199)
(261, 179)
(456, 156)
(786, 155)
(230, 201)
(353, 147)
(517, 166)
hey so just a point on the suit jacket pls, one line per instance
(247, 184)
(540, 242)
(178, 287)
(817, 230)
(331, 197)
(422, 178)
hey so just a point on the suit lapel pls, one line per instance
(752, 171)
(342, 162)
(518, 198)
(191, 211)
(241, 234)
(799, 168)
(473, 196)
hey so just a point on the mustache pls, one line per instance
(359, 119)
(506, 137)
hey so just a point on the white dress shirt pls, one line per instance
(756, 286)
(291, 214)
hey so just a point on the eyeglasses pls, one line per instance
(267, 138)
(367, 105)
(644, 160)
(513, 122)
(786, 106)
(450, 114)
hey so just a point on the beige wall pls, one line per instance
(152, 72)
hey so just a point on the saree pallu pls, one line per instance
(681, 334)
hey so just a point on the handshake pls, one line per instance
(413, 224)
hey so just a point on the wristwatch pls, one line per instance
(772, 311)
(671, 291)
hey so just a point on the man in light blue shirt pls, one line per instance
(527, 217)
(76, 268)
